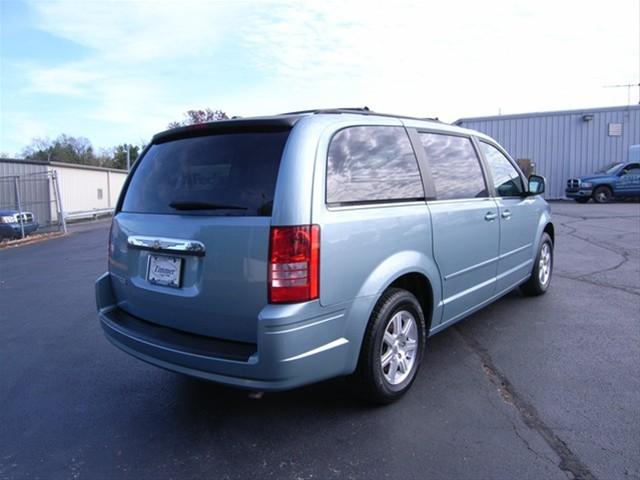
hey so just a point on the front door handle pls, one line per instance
(506, 214)
(490, 216)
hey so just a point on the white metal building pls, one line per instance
(84, 190)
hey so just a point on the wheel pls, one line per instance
(582, 199)
(602, 194)
(542, 269)
(392, 348)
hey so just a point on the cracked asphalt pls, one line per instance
(528, 388)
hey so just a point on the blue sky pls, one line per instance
(119, 71)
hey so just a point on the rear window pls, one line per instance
(231, 174)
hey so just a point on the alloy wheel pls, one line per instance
(399, 347)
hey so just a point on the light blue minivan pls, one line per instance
(273, 252)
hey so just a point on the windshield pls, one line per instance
(611, 168)
(231, 174)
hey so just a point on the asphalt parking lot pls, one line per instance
(538, 388)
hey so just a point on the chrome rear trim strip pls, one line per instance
(169, 245)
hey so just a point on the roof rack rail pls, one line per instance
(330, 110)
(357, 110)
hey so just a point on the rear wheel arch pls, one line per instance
(420, 286)
(416, 283)
(406, 299)
(411, 270)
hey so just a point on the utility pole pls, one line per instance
(21, 216)
(628, 86)
(631, 85)
(128, 157)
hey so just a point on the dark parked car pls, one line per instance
(13, 221)
(615, 180)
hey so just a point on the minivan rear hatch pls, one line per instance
(190, 240)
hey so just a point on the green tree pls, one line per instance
(64, 148)
(118, 158)
(39, 149)
(68, 149)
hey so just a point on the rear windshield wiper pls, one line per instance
(194, 205)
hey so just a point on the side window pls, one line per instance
(368, 164)
(455, 167)
(506, 179)
(632, 169)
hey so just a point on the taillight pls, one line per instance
(294, 264)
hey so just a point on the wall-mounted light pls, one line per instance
(587, 117)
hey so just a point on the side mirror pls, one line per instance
(536, 185)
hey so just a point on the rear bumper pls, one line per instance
(582, 193)
(296, 344)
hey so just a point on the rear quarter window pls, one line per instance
(231, 174)
(372, 164)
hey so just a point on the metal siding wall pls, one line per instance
(8, 168)
(33, 185)
(116, 181)
(79, 189)
(565, 153)
(562, 145)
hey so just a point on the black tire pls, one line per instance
(369, 379)
(602, 194)
(535, 286)
(582, 199)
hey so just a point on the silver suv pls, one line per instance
(269, 253)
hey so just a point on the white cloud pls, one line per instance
(23, 126)
(140, 31)
(73, 79)
(452, 59)
(152, 60)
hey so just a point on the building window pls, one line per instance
(99, 194)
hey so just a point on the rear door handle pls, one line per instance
(490, 216)
(506, 214)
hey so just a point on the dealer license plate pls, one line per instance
(163, 270)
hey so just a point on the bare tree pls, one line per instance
(194, 117)
(64, 148)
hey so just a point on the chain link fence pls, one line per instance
(30, 203)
